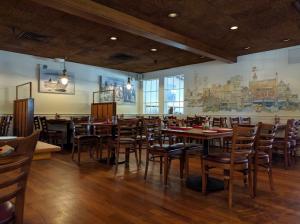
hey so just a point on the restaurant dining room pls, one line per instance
(149, 111)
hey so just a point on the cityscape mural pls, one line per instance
(254, 95)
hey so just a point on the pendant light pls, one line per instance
(128, 86)
(64, 79)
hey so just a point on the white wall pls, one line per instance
(17, 69)
(267, 63)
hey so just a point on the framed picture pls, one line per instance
(49, 81)
(122, 94)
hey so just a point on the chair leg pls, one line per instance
(166, 169)
(187, 171)
(78, 154)
(73, 150)
(147, 164)
(140, 152)
(270, 174)
(160, 164)
(255, 171)
(250, 178)
(204, 177)
(136, 158)
(182, 161)
(230, 188)
(19, 205)
(286, 158)
(117, 159)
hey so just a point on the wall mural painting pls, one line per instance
(49, 81)
(259, 95)
(122, 94)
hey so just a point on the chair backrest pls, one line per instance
(127, 128)
(153, 131)
(224, 122)
(245, 120)
(234, 121)
(36, 123)
(80, 126)
(44, 124)
(242, 141)
(5, 124)
(14, 170)
(201, 119)
(289, 130)
(216, 122)
(265, 138)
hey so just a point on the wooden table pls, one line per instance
(195, 183)
(43, 150)
(63, 122)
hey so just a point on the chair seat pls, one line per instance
(7, 210)
(193, 146)
(224, 157)
(167, 147)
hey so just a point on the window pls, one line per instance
(174, 94)
(151, 95)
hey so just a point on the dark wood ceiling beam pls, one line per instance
(104, 15)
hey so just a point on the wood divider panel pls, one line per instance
(23, 117)
(103, 111)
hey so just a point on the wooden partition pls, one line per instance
(103, 111)
(23, 114)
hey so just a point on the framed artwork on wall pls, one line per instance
(122, 94)
(49, 81)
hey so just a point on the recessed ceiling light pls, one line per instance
(172, 15)
(247, 48)
(113, 38)
(153, 49)
(286, 40)
(234, 27)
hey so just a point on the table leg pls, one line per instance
(195, 182)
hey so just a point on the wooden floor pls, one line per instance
(60, 192)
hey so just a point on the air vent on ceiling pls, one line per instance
(32, 37)
(122, 57)
(297, 5)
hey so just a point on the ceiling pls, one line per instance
(28, 27)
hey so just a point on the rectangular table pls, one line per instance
(43, 150)
(204, 135)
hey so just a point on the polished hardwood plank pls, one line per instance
(61, 192)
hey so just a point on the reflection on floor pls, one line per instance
(60, 192)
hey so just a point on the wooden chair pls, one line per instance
(141, 137)
(14, 170)
(239, 159)
(263, 152)
(228, 140)
(36, 123)
(165, 152)
(5, 122)
(224, 122)
(125, 142)
(245, 120)
(83, 139)
(55, 137)
(234, 121)
(216, 122)
(284, 144)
